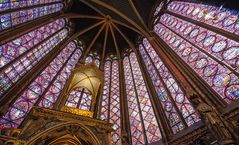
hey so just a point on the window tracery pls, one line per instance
(213, 56)
(79, 98)
(11, 19)
(215, 16)
(143, 125)
(176, 105)
(93, 58)
(20, 55)
(43, 87)
(111, 98)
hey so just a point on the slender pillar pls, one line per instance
(99, 98)
(61, 100)
(189, 80)
(53, 80)
(98, 103)
(159, 112)
(165, 129)
(125, 123)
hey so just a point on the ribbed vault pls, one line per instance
(114, 24)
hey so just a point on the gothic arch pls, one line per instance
(62, 132)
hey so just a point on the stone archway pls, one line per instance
(65, 133)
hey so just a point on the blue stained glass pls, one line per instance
(31, 94)
(4, 5)
(232, 91)
(5, 21)
(18, 17)
(13, 4)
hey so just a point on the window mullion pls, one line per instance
(138, 102)
(54, 78)
(108, 119)
(80, 99)
(26, 8)
(209, 55)
(29, 50)
(166, 88)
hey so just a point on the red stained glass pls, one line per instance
(110, 111)
(166, 102)
(106, 90)
(173, 88)
(219, 77)
(219, 17)
(221, 48)
(141, 113)
(79, 98)
(26, 56)
(114, 114)
(37, 88)
(17, 17)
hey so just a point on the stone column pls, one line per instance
(125, 123)
(158, 108)
(188, 79)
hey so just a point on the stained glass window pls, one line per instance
(79, 98)
(111, 99)
(157, 10)
(211, 55)
(93, 58)
(97, 61)
(143, 125)
(171, 95)
(221, 48)
(215, 16)
(44, 86)
(8, 20)
(20, 55)
(89, 59)
(74, 98)
(106, 91)
(114, 116)
(12, 4)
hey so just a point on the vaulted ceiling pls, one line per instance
(112, 18)
(128, 16)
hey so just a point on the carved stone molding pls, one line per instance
(77, 111)
(45, 126)
(64, 116)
